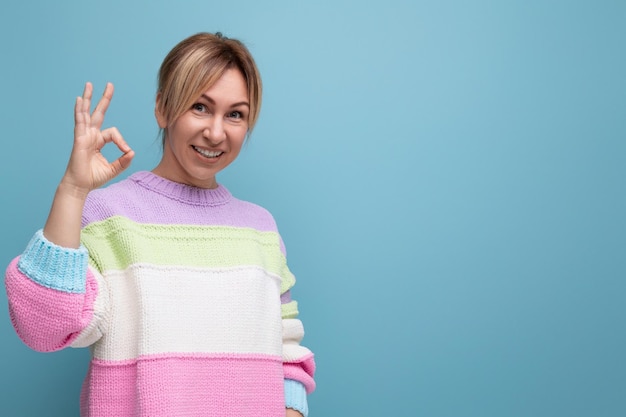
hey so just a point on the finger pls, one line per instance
(87, 93)
(97, 117)
(80, 124)
(123, 162)
(81, 111)
(113, 135)
(81, 118)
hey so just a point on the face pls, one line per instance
(208, 136)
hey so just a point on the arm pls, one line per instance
(87, 169)
(298, 361)
(298, 366)
(51, 291)
(51, 294)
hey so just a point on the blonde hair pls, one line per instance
(195, 64)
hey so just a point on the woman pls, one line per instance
(181, 291)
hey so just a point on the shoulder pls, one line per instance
(120, 188)
(253, 215)
(259, 218)
(114, 199)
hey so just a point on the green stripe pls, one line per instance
(117, 242)
(289, 310)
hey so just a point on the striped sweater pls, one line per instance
(183, 295)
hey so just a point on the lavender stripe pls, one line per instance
(285, 297)
(146, 198)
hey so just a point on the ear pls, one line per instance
(158, 113)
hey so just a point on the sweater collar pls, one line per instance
(182, 192)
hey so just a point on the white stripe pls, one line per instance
(93, 332)
(293, 332)
(158, 310)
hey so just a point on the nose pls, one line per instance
(214, 131)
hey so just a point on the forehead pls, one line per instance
(231, 86)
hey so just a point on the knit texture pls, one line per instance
(295, 397)
(183, 295)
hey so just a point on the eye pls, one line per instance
(235, 115)
(199, 107)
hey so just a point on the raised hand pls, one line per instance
(88, 168)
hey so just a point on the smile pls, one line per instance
(207, 154)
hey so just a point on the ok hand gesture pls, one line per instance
(88, 168)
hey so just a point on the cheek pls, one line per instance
(238, 136)
(179, 135)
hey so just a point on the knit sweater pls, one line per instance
(183, 295)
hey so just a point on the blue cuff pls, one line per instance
(295, 396)
(53, 266)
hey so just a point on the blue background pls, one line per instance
(448, 177)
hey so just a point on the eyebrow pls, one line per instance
(240, 103)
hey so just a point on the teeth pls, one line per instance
(208, 154)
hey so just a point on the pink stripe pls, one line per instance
(47, 319)
(185, 386)
(303, 371)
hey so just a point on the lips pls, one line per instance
(206, 153)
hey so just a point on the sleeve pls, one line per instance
(295, 397)
(51, 293)
(298, 361)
